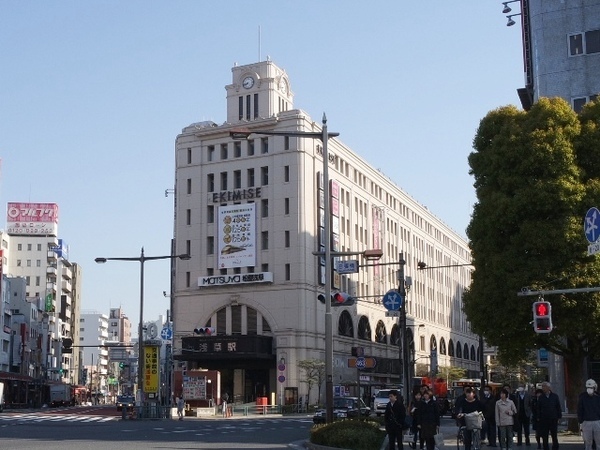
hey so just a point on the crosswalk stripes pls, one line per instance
(35, 417)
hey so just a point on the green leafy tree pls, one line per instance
(314, 374)
(536, 174)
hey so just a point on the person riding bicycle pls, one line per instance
(505, 412)
(471, 404)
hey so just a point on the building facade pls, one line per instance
(561, 50)
(250, 213)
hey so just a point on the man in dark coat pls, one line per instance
(548, 414)
(394, 415)
(489, 414)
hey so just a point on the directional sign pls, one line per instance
(281, 378)
(392, 301)
(591, 225)
(367, 362)
(166, 333)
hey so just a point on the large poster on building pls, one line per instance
(33, 219)
(236, 245)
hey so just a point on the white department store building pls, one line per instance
(251, 215)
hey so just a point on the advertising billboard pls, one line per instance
(236, 246)
(32, 219)
(151, 362)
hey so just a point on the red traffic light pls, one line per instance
(204, 331)
(541, 309)
(542, 317)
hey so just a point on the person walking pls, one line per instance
(489, 414)
(548, 414)
(180, 406)
(588, 414)
(470, 404)
(523, 418)
(224, 400)
(534, 421)
(414, 429)
(504, 414)
(394, 419)
(429, 419)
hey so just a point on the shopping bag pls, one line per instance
(439, 441)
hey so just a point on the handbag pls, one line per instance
(439, 440)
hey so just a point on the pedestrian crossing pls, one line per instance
(16, 418)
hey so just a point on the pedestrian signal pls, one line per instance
(204, 331)
(542, 317)
(338, 299)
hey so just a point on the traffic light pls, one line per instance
(121, 365)
(67, 344)
(84, 376)
(542, 317)
(204, 331)
(338, 299)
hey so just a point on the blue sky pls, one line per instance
(94, 93)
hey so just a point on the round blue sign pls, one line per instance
(591, 225)
(392, 301)
(166, 333)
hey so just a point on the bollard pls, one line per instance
(124, 413)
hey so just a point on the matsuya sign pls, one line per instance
(229, 280)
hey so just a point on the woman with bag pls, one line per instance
(429, 419)
(505, 412)
(394, 415)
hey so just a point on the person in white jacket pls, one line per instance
(505, 412)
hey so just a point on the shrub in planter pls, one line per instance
(350, 434)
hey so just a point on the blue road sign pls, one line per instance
(392, 301)
(591, 224)
(166, 333)
(361, 362)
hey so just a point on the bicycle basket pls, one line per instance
(473, 421)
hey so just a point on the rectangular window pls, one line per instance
(286, 174)
(29, 247)
(18, 263)
(264, 267)
(28, 281)
(250, 177)
(39, 247)
(247, 107)
(19, 247)
(251, 148)
(264, 145)
(287, 238)
(237, 270)
(286, 142)
(576, 44)
(240, 108)
(286, 206)
(210, 182)
(237, 179)
(264, 208)
(28, 263)
(224, 151)
(223, 181)
(189, 155)
(264, 239)
(288, 272)
(188, 279)
(264, 175)
(210, 245)
(578, 104)
(189, 186)
(223, 271)
(37, 281)
(38, 263)
(210, 214)
(188, 247)
(592, 41)
(237, 149)
(255, 106)
(188, 216)
(210, 272)
(211, 152)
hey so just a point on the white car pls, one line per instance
(380, 401)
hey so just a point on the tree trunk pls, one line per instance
(574, 384)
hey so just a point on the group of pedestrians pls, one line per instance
(511, 413)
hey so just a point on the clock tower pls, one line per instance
(258, 91)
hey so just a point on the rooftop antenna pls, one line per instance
(259, 44)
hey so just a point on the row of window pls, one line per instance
(29, 247)
(38, 263)
(584, 43)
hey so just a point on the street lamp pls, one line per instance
(141, 259)
(244, 133)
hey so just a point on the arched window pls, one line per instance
(442, 346)
(380, 333)
(364, 329)
(450, 348)
(478, 353)
(466, 351)
(458, 350)
(432, 343)
(395, 335)
(345, 325)
(473, 355)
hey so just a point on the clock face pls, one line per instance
(248, 82)
(283, 86)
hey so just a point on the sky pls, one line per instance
(93, 95)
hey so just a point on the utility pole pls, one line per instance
(404, 354)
